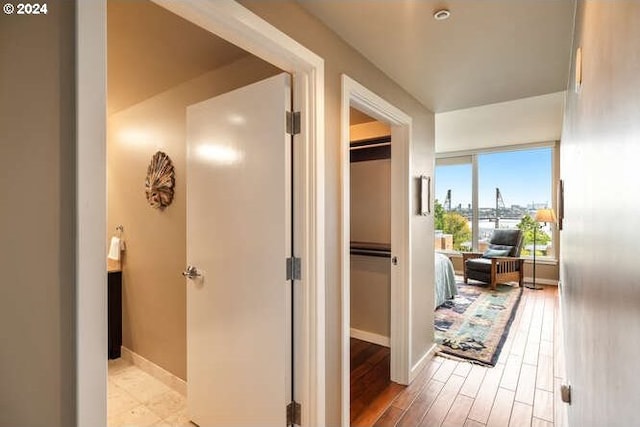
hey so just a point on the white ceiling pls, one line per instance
(488, 51)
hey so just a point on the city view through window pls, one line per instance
(511, 187)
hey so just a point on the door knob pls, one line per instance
(191, 272)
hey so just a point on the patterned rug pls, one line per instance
(475, 323)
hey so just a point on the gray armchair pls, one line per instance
(500, 263)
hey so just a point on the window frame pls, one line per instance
(460, 157)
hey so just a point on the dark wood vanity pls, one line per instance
(114, 313)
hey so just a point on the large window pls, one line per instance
(479, 192)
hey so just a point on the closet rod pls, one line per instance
(360, 147)
(371, 252)
(370, 249)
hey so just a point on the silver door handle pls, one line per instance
(191, 272)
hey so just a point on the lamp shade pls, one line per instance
(545, 215)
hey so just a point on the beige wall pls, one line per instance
(339, 58)
(37, 211)
(371, 294)
(600, 152)
(154, 294)
(371, 201)
(546, 273)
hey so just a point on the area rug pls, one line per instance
(475, 323)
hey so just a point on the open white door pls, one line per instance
(238, 239)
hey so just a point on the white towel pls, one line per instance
(114, 249)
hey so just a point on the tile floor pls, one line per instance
(136, 399)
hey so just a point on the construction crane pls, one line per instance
(499, 204)
(447, 201)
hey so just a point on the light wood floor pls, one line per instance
(521, 390)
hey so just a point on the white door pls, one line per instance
(238, 239)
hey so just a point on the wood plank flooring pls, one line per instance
(371, 388)
(521, 390)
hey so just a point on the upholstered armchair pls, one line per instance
(500, 263)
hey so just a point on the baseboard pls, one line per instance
(370, 337)
(426, 358)
(550, 282)
(539, 281)
(162, 375)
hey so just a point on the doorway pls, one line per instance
(356, 96)
(250, 32)
(370, 268)
(187, 156)
(146, 105)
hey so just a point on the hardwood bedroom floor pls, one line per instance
(523, 389)
(370, 383)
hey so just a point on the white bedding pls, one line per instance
(445, 284)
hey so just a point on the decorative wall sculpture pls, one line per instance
(160, 181)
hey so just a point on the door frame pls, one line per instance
(238, 25)
(356, 95)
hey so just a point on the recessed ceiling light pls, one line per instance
(441, 15)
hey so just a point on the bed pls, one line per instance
(445, 284)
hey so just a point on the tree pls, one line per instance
(438, 214)
(528, 225)
(452, 223)
(458, 226)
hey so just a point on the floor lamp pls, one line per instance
(542, 215)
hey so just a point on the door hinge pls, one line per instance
(294, 267)
(294, 413)
(293, 122)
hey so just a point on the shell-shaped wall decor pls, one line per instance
(160, 181)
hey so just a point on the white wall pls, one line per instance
(535, 119)
(601, 282)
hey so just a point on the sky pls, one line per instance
(524, 177)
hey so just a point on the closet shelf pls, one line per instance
(382, 250)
